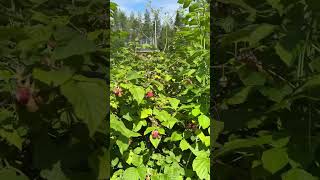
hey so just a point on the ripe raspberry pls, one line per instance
(149, 94)
(118, 91)
(23, 95)
(155, 134)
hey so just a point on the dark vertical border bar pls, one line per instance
(108, 37)
(212, 82)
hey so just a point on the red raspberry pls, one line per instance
(155, 134)
(149, 94)
(118, 91)
(23, 95)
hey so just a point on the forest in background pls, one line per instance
(149, 29)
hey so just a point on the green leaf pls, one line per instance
(89, 99)
(5, 75)
(131, 75)
(145, 113)
(123, 143)
(204, 121)
(186, 3)
(174, 102)
(138, 126)
(5, 114)
(55, 77)
(252, 34)
(94, 35)
(77, 46)
(282, 142)
(240, 97)
(243, 143)
(137, 92)
(201, 165)
(184, 145)
(131, 174)
(55, 173)
(11, 174)
(252, 78)
(276, 94)
(154, 141)
(196, 111)
(176, 136)
(276, 4)
(204, 139)
(274, 159)
(218, 127)
(298, 174)
(134, 159)
(284, 54)
(119, 126)
(314, 64)
(169, 123)
(149, 129)
(161, 115)
(241, 4)
(312, 83)
(100, 162)
(12, 137)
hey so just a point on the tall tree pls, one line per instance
(156, 25)
(178, 20)
(147, 25)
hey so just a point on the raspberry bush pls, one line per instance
(160, 125)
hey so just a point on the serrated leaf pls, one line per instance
(123, 143)
(176, 136)
(119, 126)
(201, 165)
(137, 92)
(131, 75)
(162, 115)
(12, 137)
(52, 77)
(11, 174)
(195, 112)
(218, 127)
(174, 102)
(298, 174)
(204, 139)
(284, 54)
(131, 174)
(89, 99)
(145, 113)
(77, 46)
(204, 121)
(243, 143)
(5, 114)
(240, 97)
(274, 159)
(55, 173)
(169, 123)
(154, 141)
(100, 162)
(184, 145)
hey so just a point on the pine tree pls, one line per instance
(147, 28)
(178, 20)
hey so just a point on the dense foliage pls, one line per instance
(160, 125)
(266, 74)
(53, 101)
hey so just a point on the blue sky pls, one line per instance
(128, 6)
